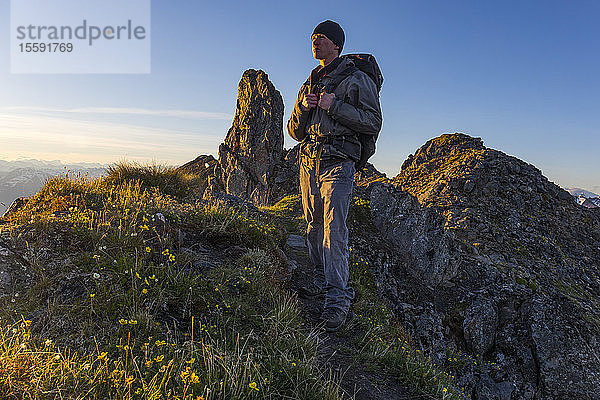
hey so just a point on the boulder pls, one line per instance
(406, 224)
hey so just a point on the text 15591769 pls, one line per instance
(46, 47)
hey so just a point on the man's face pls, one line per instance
(323, 48)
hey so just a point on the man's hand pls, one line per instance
(326, 100)
(310, 101)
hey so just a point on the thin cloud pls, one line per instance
(23, 135)
(191, 114)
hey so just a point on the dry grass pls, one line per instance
(115, 310)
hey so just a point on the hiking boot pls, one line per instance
(334, 319)
(310, 292)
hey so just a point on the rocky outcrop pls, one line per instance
(207, 169)
(15, 206)
(490, 260)
(16, 272)
(287, 173)
(252, 164)
(254, 143)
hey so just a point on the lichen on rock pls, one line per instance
(472, 226)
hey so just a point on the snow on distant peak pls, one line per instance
(581, 192)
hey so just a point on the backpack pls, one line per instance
(367, 64)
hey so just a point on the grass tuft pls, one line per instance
(170, 181)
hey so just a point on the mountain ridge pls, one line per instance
(22, 178)
(502, 250)
(489, 273)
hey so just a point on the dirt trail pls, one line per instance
(337, 352)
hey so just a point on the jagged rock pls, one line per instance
(252, 164)
(254, 143)
(480, 324)
(201, 166)
(510, 262)
(428, 329)
(368, 176)
(206, 168)
(566, 349)
(287, 172)
(16, 275)
(405, 224)
(229, 201)
(15, 206)
(293, 265)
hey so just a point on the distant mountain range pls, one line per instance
(585, 198)
(578, 191)
(25, 177)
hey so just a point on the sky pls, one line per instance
(522, 75)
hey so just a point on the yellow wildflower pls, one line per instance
(253, 385)
(185, 374)
(194, 378)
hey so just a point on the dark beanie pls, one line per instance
(333, 31)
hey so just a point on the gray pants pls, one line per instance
(325, 202)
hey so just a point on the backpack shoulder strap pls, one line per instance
(334, 83)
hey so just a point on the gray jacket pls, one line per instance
(355, 108)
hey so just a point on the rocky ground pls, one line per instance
(343, 358)
(493, 261)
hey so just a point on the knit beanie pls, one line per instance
(333, 31)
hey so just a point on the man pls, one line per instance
(327, 121)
